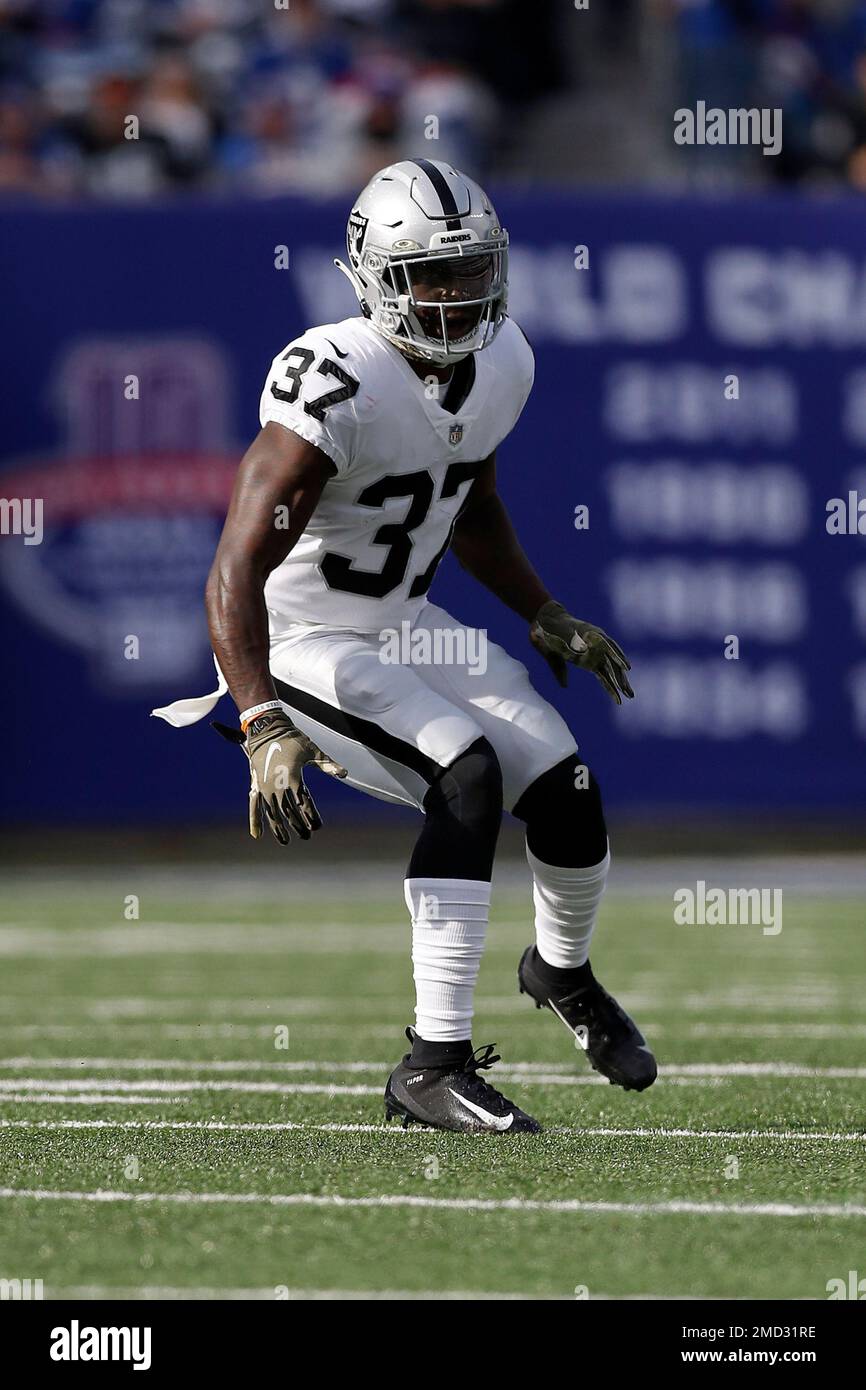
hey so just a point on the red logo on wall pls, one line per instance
(133, 505)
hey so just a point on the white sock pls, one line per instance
(566, 906)
(449, 924)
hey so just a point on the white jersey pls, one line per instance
(404, 467)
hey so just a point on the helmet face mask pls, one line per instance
(452, 301)
(428, 261)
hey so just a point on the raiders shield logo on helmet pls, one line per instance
(455, 434)
(355, 231)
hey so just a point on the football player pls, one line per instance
(377, 453)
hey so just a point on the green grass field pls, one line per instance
(143, 1077)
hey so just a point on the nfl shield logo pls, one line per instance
(455, 434)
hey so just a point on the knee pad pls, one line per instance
(463, 812)
(564, 818)
(470, 790)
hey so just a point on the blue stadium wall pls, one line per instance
(700, 399)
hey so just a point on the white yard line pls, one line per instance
(99, 1098)
(782, 1135)
(134, 1031)
(762, 1069)
(183, 1096)
(137, 1007)
(234, 1064)
(21, 941)
(353, 1027)
(265, 1126)
(147, 1292)
(23, 1087)
(161, 1292)
(792, 998)
(81, 1086)
(484, 1204)
(176, 1031)
(840, 874)
(798, 1031)
(551, 1073)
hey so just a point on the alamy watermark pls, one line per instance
(719, 907)
(853, 1287)
(21, 1290)
(438, 646)
(736, 126)
(22, 516)
(846, 516)
(77, 1343)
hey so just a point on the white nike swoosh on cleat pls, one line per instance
(495, 1121)
(274, 748)
(581, 1032)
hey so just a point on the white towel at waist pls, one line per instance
(184, 712)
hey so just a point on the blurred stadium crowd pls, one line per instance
(311, 96)
(306, 96)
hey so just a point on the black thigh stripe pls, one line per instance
(446, 197)
(361, 731)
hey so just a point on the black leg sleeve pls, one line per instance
(564, 822)
(462, 815)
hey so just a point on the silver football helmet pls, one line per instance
(428, 260)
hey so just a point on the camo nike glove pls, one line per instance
(562, 639)
(278, 753)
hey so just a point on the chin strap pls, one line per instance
(351, 277)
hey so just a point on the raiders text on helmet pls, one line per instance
(428, 260)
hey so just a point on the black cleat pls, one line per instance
(453, 1098)
(601, 1028)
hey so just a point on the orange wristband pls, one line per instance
(248, 715)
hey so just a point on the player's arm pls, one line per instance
(486, 545)
(278, 485)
